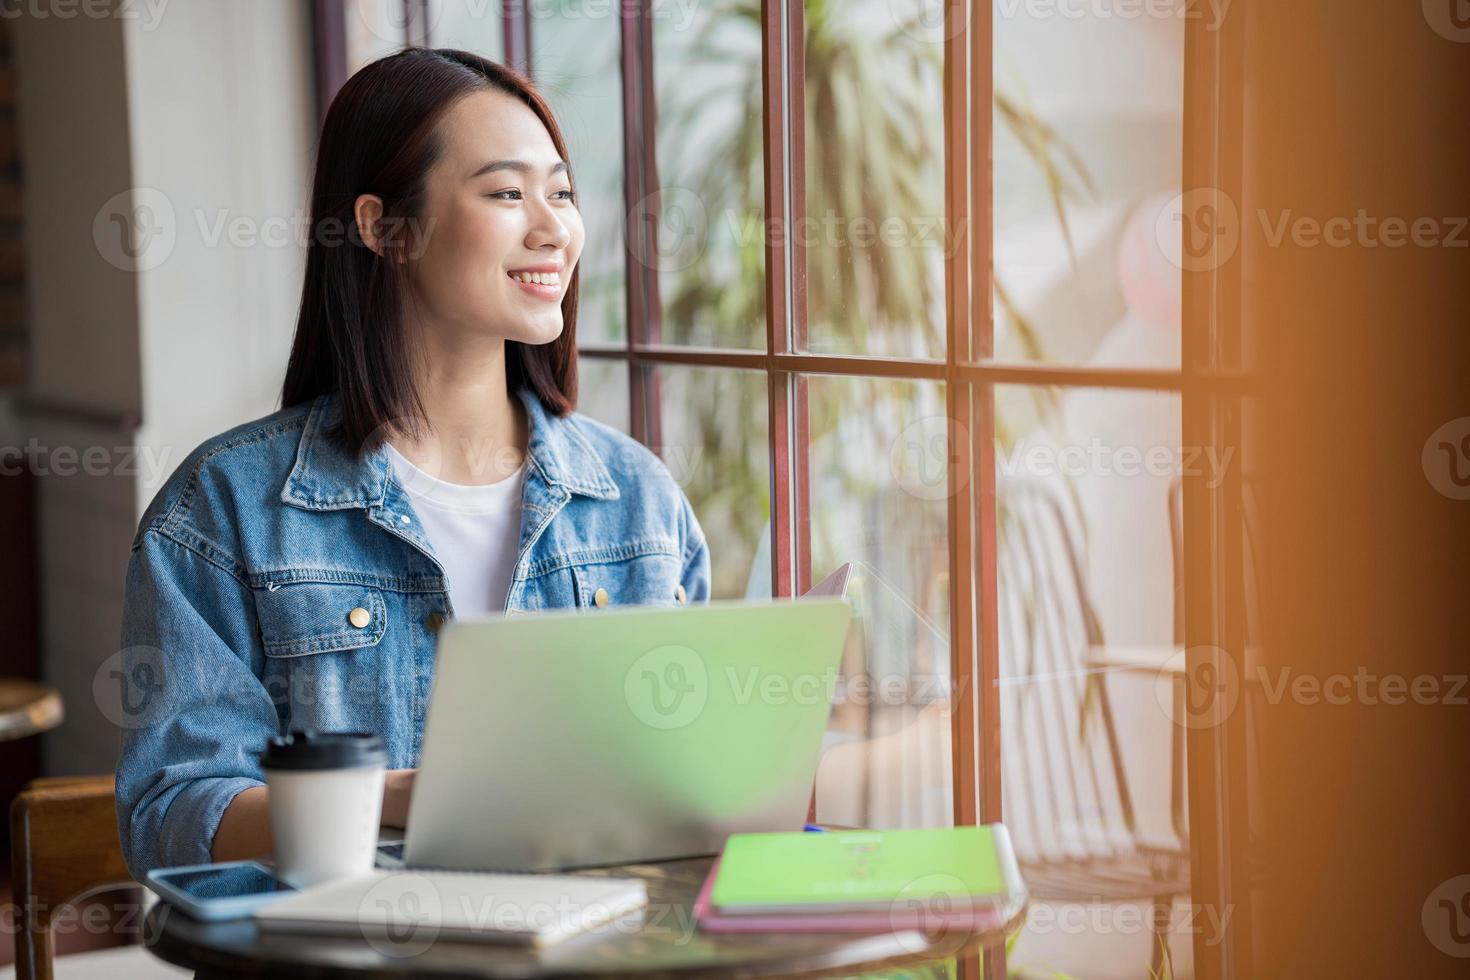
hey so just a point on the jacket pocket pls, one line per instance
(319, 617)
(643, 580)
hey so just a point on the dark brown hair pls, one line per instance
(380, 137)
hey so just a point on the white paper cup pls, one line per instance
(326, 798)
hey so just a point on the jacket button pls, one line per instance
(680, 594)
(433, 621)
(359, 617)
(600, 597)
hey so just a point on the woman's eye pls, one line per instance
(515, 195)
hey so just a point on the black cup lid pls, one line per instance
(324, 750)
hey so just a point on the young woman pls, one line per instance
(294, 570)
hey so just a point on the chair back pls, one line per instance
(64, 845)
(1066, 795)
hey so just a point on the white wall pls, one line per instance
(197, 109)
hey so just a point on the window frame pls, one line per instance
(1210, 381)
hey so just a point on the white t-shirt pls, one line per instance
(475, 531)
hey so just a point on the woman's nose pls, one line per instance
(548, 228)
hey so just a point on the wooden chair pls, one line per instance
(64, 846)
(1068, 798)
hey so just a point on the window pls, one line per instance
(898, 283)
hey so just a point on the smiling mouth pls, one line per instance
(537, 278)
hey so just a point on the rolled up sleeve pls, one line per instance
(192, 708)
(695, 575)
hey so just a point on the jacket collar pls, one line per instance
(327, 477)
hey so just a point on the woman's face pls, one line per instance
(498, 216)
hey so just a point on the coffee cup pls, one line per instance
(325, 797)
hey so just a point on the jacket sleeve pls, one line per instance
(193, 711)
(695, 575)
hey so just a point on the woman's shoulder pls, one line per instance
(224, 470)
(630, 464)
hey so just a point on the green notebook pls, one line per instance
(855, 870)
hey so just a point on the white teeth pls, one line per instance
(543, 278)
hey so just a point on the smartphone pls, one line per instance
(212, 892)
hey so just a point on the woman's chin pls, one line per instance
(535, 334)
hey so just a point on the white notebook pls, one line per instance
(419, 906)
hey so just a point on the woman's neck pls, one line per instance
(477, 430)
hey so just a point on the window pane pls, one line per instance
(874, 177)
(878, 492)
(712, 435)
(468, 25)
(1088, 138)
(375, 29)
(575, 62)
(710, 255)
(602, 391)
(1088, 540)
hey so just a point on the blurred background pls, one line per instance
(155, 166)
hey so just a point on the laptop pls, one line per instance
(575, 739)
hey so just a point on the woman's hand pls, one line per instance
(397, 789)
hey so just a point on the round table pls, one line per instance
(27, 708)
(659, 940)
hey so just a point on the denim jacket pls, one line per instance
(253, 566)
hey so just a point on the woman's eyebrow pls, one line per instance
(520, 166)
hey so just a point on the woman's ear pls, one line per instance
(367, 211)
